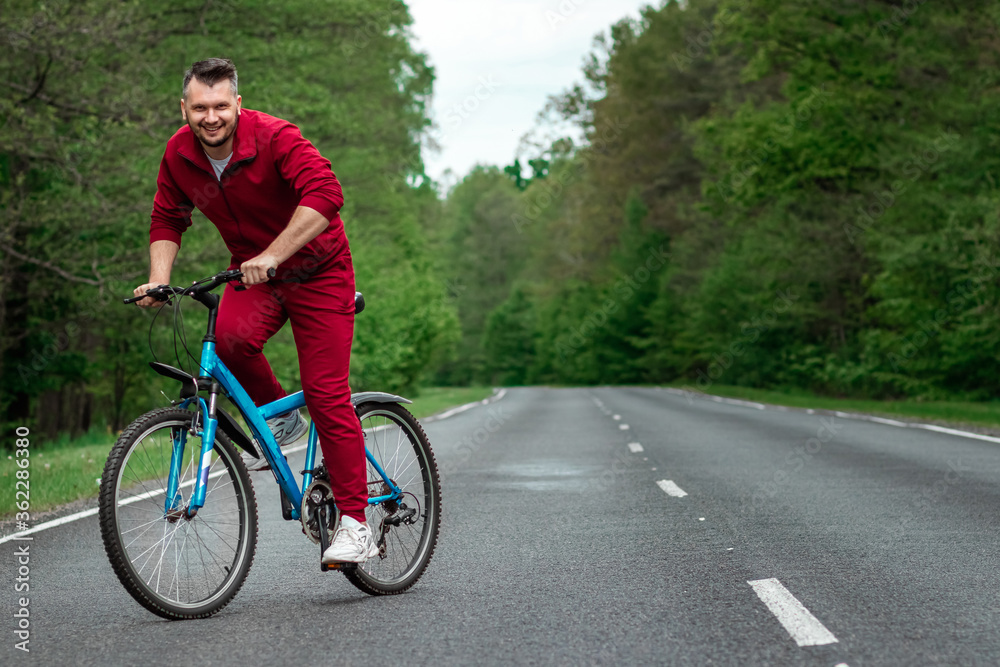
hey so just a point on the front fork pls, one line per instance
(204, 425)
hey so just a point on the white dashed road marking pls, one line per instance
(671, 489)
(634, 447)
(804, 628)
(623, 427)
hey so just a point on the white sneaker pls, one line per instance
(286, 428)
(352, 543)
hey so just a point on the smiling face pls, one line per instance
(212, 113)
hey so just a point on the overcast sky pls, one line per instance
(496, 62)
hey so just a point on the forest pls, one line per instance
(788, 195)
(90, 93)
(779, 194)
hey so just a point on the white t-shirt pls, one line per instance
(219, 165)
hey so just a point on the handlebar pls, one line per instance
(199, 290)
(164, 292)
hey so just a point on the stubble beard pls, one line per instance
(198, 132)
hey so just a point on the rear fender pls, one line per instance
(363, 397)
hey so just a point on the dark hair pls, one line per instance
(211, 72)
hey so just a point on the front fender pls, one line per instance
(189, 389)
(189, 383)
(236, 434)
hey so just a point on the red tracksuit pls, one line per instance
(274, 170)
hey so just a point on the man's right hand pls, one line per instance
(148, 302)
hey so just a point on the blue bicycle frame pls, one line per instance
(256, 417)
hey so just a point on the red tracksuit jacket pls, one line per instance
(273, 170)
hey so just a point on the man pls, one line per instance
(276, 204)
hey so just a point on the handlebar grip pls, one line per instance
(155, 293)
(240, 287)
(236, 274)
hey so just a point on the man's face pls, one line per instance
(211, 111)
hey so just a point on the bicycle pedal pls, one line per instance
(326, 567)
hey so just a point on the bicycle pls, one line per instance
(179, 517)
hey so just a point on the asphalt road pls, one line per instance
(562, 542)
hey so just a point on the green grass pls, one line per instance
(66, 470)
(432, 400)
(952, 412)
(60, 472)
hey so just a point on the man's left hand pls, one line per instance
(255, 270)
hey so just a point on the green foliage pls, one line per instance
(514, 172)
(823, 177)
(89, 97)
(508, 341)
(479, 252)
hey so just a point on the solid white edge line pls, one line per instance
(804, 628)
(748, 404)
(846, 415)
(671, 489)
(50, 524)
(459, 409)
(290, 450)
(890, 422)
(91, 512)
(951, 431)
(462, 408)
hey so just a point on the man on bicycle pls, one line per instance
(276, 204)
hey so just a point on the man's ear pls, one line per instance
(184, 113)
(239, 104)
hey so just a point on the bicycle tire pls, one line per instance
(133, 494)
(399, 444)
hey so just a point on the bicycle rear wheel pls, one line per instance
(407, 528)
(174, 566)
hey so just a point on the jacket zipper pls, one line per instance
(222, 189)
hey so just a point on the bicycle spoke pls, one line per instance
(142, 525)
(163, 552)
(181, 569)
(217, 534)
(215, 557)
(402, 457)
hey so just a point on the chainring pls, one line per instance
(318, 494)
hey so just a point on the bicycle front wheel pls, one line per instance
(406, 528)
(176, 566)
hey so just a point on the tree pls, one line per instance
(89, 95)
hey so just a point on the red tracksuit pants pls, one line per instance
(322, 313)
